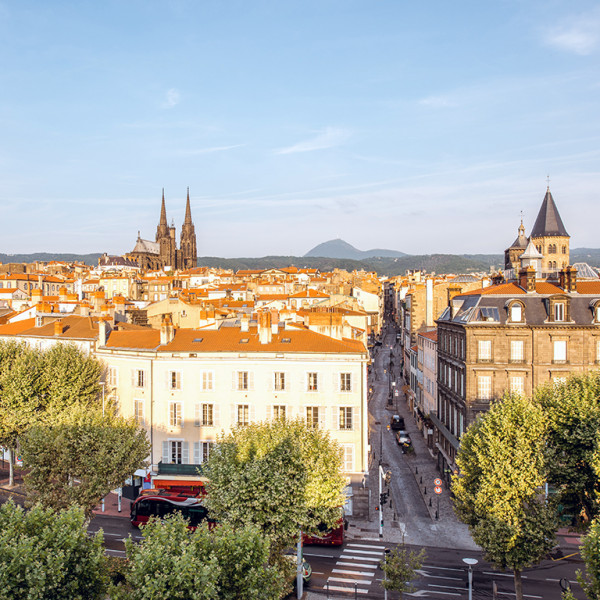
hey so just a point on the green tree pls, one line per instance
(82, 457)
(47, 554)
(282, 476)
(21, 394)
(499, 490)
(590, 552)
(400, 567)
(573, 412)
(225, 564)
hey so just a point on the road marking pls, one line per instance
(558, 580)
(361, 565)
(368, 558)
(420, 593)
(364, 552)
(424, 573)
(319, 555)
(116, 551)
(367, 546)
(446, 587)
(337, 588)
(444, 568)
(524, 595)
(348, 580)
(346, 572)
(495, 573)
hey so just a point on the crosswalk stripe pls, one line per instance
(367, 558)
(337, 588)
(363, 552)
(351, 564)
(357, 573)
(367, 546)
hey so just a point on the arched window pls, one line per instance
(564, 249)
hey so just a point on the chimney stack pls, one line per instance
(264, 328)
(527, 277)
(571, 279)
(58, 327)
(103, 331)
(167, 332)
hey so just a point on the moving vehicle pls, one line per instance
(404, 441)
(160, 503)
(328, 537)
(397, 422)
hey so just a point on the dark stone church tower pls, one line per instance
(188, 238)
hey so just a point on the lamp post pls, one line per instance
(471, 562)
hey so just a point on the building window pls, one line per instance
(242, 381)
(484, 350)
(243, 418)
(516, 351)
(176, 452)
(598, 351)
(517, 385)
(278, 412)
(345, 382)
(484, 387)
(113, 376)
(139, 378)
(560, 351)
(564, 249)
(175, 410)
(348, 457)
(345, 421)
(205, 415)
(312, 416)
(279, 382)
(174, 380)
(559, 380)
(516, 313)
(201, 452)
(207, 381)
(559, 311)
(312, 382)
(139, 411)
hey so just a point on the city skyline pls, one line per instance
(418, 129)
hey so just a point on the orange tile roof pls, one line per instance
(17, 327)
(430, 335)
(74, 327)
(588, 287)
(228, 339)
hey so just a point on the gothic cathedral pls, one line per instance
(163, 253)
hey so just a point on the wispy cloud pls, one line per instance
(327, 138)
(579, 35)
(437, 102)
(210, 150)
(172, 98)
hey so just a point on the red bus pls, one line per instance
(327, 537)
(160, 503)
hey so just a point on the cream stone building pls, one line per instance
(188, 385)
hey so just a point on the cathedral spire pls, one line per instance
(163, 211)
(188, 210)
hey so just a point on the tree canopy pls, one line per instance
(400, 567)
(224, 564)
(572, 410)
(82, 457)
(48, 554)
(499, 490)
(281, 476)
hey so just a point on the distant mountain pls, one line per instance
(88, 259)
(341, 249)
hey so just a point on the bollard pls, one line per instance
(416, 470)
(425, 491)
(429, 500)
(421, 478)
(328, 589)
(355, 591)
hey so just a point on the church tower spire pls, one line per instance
(188, 238)
(163, 211)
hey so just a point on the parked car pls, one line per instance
(404, 441)
(306, 568)
(397, 422)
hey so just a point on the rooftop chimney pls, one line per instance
(167, 332)
(264, 328)
(103, 331)
(245, 323)
(58, 327)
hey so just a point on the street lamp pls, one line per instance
(471, 562)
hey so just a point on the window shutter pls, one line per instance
(133, 382)
(271, 386)
(250, 381)
(287, 381)
(353, 415)
(304, 382)
(233, 415)
(167, 373)
(185, 453)
(165, 453)
(216, 415)
(252, 413)
(322, 417)
(197, 456)
(198, 416)
(234, 381)
(336, 382)
(269, 412)
(335, 417)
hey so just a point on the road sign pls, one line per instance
(437, 481)
(437, 489)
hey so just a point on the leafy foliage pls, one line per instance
(82, 457)
(573, 413)
(498, 492)
(281, 476)
(44, 554)
(172, 562)
(590, 552)
(400, 568)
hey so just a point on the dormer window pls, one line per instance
(559, 311)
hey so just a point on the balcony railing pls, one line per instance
(179, 469)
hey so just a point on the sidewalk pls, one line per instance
(111, 507)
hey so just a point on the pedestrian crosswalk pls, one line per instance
(355, 569)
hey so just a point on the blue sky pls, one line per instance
(417, 126)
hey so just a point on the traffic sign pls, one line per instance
(437, 481)
(437, 489)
